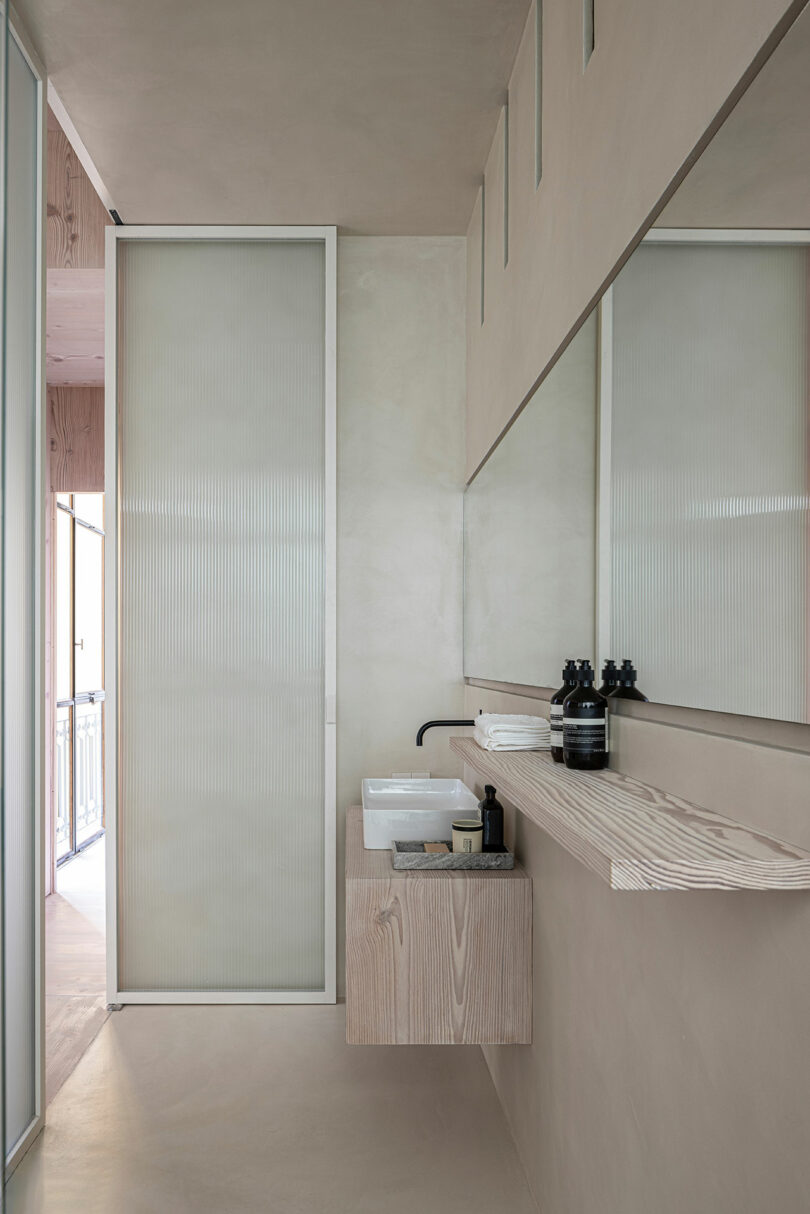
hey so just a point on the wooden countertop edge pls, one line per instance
(723, 865)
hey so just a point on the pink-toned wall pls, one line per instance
(669, 1066)
(617, 139)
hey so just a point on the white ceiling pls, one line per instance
(373, 114)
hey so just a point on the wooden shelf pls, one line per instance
(634, 836)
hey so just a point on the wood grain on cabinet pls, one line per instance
(434, 958)
(76, 439)
(633, 836)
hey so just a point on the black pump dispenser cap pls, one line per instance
(569, 674)
(609, 670)
(585, 673)
(627, 675)
(490, 791)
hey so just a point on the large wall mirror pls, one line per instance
(651, 501)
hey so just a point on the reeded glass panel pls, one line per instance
(529, 532)
(89, 608)
(221, 821)
(19, 615)
(710, 517)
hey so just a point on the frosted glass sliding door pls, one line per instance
(221, 655)
(21, 624)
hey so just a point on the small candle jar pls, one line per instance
(468, 835)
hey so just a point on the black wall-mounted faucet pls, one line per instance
(429, 725)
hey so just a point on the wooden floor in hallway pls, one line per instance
(237, 1110)
(75, 974)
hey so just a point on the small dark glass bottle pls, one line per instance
(625, 688)
(491, 820)
(610, 676)
(585, 736)
(569, 682)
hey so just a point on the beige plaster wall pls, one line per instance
(756, 171)
(400, 482)
(669, 1068)
(616, 138)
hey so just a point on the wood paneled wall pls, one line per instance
(77, 220)
(76, 215)
(74, 346)
(76, 439)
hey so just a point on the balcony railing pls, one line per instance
(79, 773)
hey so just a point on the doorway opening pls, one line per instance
(75, 914)
(79, 733)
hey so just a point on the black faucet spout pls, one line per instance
(430, 724)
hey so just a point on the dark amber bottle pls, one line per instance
(625, 688)
(585, 726)
(569, 682)
(491, 820)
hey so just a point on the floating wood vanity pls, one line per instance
(435, 957)
(634, 836)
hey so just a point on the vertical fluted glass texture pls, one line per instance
(20, 547)
(710, 517)
(221, 821)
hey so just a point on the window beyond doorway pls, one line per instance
(79, 601)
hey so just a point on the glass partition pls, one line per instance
(222, 844)
(21, 636)
(708, 494)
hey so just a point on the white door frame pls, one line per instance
(328, 235)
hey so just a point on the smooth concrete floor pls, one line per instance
(186, 1110)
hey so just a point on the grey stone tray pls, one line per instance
(413, 855)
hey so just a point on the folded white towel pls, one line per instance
(514, 743)
(513, 731)
(495, 724)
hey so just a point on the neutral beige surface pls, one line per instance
(754, 173)
(400, 483)
(527, 598)
(374, 116)
(436, 958)
(236, 1110)
(615, 138)
(669, 1068)
(635, 836)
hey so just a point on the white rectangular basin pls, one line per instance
(413, 809)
